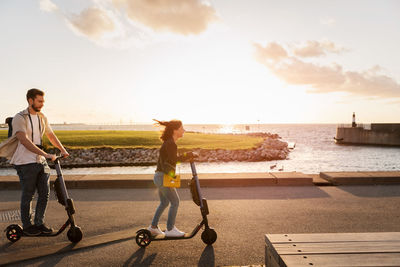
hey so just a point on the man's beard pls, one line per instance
(36, 109)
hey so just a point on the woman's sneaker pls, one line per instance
(31, 231)
(45, 229)
(155, 231)
(174, 233)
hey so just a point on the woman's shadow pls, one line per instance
(137, 259)
(207, 258)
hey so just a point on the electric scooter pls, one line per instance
(209, 236)
(14, 231)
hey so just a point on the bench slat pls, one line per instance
(338, 247)
(332, 237)
(333, 249)
(373, 259)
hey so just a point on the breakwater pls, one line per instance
(271, 148)
(383, 134)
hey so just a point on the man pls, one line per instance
(29, 160)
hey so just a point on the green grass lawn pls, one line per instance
(148, 139)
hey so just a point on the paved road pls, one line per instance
(241, 216)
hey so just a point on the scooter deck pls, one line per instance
(42, 234)
(163, 237)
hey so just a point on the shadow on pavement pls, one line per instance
(376, 191)
(60, 255)
(5, 246)
(137, 259)
(223, 193)
(277, 192)
(25, 257)
(207, 258)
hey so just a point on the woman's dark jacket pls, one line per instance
(168, 157)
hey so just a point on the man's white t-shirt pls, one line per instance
(36, 130)
(22, 154)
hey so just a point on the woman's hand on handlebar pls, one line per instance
(190, 155)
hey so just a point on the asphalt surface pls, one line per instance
(241, 217)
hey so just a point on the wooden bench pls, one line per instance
(333, 249)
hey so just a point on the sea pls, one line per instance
(314, 151)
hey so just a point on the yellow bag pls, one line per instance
(170, 181)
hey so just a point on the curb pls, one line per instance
(146, 180)
(362, 178)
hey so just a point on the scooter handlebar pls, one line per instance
(190, 155)
(57, 158)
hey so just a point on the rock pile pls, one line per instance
(270, 149)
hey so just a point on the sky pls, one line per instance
(219, 61)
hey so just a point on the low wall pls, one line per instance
(359, 135)
(386, 127)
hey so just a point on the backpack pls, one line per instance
(9, 122)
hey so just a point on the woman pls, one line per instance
(166, 165)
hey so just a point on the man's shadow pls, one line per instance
(137, 259)
(59, 255)
(207, 258)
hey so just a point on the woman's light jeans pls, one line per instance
(167, 195)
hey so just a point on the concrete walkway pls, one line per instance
(41, 251)
(240, 215)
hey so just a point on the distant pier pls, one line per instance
(381, 134)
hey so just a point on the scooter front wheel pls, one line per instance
(143, 238)
(13, 232)
(75, 234)
(209, 236)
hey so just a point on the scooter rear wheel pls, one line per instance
(14, 232)
(75, 234)
(143, 238)
(209, 236)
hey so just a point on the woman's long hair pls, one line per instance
(170, 126)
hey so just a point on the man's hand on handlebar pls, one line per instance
(64, 153)
(52, 157)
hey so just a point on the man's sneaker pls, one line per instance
(45, 229)
(155, 231)
(174, 233)
(32, 231)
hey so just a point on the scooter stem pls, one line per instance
(194, 172)
(61, 179)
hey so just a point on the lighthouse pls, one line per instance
(353, 123)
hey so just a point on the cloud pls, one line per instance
(92, 22)
(321, 78)
(371, 84)
(316, 49)
(48, 6)
(271, 52)
(325, 79)
(125, 23)
(177, 16)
